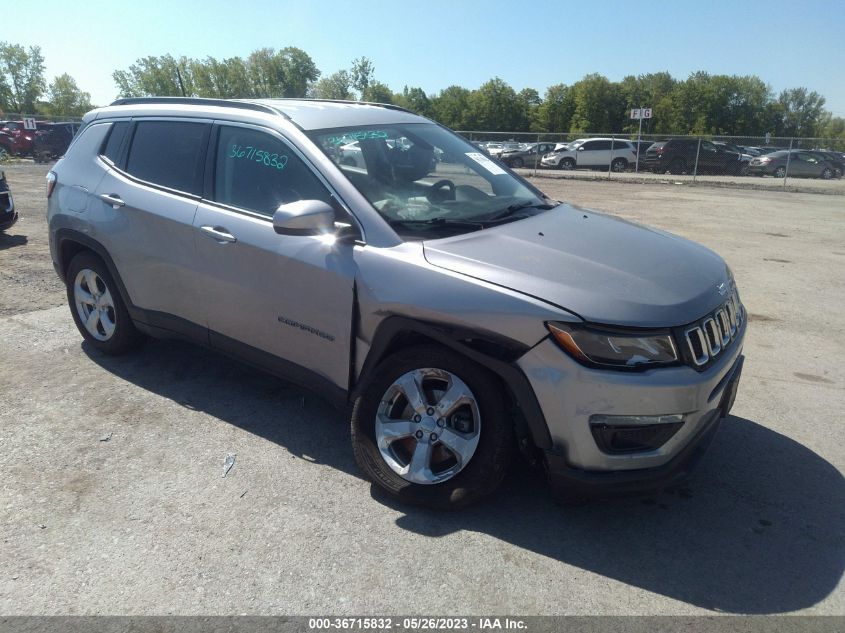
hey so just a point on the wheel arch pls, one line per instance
(497, 354)
(71, 242)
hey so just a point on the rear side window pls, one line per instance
(258, 172)
(117, 134)
(169, 154)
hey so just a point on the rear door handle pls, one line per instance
(113, 199)
(218, 233)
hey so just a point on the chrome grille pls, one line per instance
(713, 334)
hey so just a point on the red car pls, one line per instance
(15, 139)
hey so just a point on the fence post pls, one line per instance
(697, 152)
(610, 162)
(788, 156)
(537, 157)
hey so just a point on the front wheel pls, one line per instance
(827, 173)
(517, 163)
(431, 428)
(567, 163)
(780, 172)
(619, 164)
(97, 307)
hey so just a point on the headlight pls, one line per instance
(615, 348)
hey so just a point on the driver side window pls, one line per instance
(258, 172)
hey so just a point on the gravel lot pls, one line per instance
(113, 501)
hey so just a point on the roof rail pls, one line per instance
(389, 106)
(220, 103)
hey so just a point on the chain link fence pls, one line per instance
(681, 156)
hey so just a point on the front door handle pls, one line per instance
(218, 233)
(113, 199)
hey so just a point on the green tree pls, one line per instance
(378, 92)
(66, 99)
(335, 86)
(361, 74)
(495, 106)
(22, 73)
(415, 100)
(555, 112)
(801, 112)
(451, 108)
(599, 105)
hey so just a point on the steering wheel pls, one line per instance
(436, 194)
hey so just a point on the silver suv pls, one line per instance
(458, 311)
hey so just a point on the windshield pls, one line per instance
(424, 180)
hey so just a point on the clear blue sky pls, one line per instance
(436, 43)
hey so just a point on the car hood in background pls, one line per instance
(604, 269)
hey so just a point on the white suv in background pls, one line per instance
(593, 153)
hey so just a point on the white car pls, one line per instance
(593, 153)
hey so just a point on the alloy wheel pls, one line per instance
(427, 426)
(94, 304)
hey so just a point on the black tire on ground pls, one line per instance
(488, 465)
(517, 163)
(677, 166)
(567, 163)
(619, 164)
(780, 172)
(827, 173)
(125, 336)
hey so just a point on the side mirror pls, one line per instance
(304, 217)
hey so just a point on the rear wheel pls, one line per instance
(780, 172)
(827, 173)
(619, 164)
(431, 428)
(677, 166)
(97, 307)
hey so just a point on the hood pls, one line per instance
(604, 269)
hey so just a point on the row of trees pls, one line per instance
(700, 104)
(24, 88)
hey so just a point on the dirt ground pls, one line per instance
(112, 499)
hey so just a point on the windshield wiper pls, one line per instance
(517, 206)
(436, 222)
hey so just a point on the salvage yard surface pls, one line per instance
(113, 500)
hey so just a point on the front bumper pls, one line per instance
(8, 214)
(569, 394)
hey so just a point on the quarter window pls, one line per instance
(259, 172)
(115, 141)
(169, 153)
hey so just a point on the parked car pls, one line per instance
(21, 138)
(52, 140)
(593, 153)
(836, 161)
(797, 163)
(678, 156)
(641, 147)
(7, 144)
(527, 156)
(459, 312)
(744, 158)
(8, 215)
(497, 149)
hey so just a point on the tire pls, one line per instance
(517, 163)
(677, 166)
(4, 154)
(618, 165)
(827, 173)
(567, 163)
(484, 427)
(780, 172)
(111, 331)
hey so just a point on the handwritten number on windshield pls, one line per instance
(260, 156)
